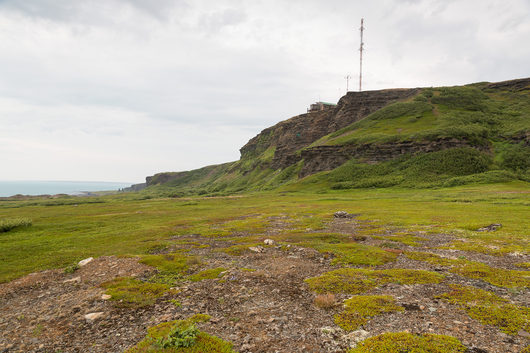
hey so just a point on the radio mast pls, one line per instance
(361, 57)
(347, 78)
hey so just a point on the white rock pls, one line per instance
(73, 280)
(269, 242)
(256, 248)
(523, 333)
(85, 261)
(106, 296)
(91, 317)
(357, 336)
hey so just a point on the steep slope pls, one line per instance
(288, 136)
(409, 137)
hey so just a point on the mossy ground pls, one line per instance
(173, 262)
(490, 309)
(358, 309)
(354, 254)
(207, 274)
(131, 292)
(356, 281)
(171, 267)
(395, 342)
(204, 342)
(496, 276)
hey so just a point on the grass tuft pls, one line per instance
(325, 301)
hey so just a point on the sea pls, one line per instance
(10, 188)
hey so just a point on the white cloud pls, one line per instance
(118, 89)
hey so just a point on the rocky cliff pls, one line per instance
(289, 136)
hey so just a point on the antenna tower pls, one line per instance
(347, 83)
(361, 57)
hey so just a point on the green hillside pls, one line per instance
(444, 136)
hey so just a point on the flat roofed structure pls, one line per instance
(318, 106)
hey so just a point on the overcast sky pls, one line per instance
(116, 90)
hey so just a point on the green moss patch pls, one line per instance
(407, 342)
(199, 318)
(490, 309)
(356, 281)
(356, 254)
(523, 265)
(360, 308)
(180, 336)
(343, 249)
(173, 263)
(130, 292)
(171, 268)
(496, 276)
(207, 274)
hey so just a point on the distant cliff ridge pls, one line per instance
(373, 127)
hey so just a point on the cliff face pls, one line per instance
(291, 135)
(322, 158)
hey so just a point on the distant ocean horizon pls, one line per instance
(48, 187)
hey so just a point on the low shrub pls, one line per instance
(180, 336)
(11, 223)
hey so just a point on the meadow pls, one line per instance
(65, 230)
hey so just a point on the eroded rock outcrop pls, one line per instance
(291, 135)
(322, 158)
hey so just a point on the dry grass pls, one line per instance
(325, 301)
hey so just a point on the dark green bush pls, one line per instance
(8, 224)
(453, 162)
(424, 170)
(516, 157)
(179, 337)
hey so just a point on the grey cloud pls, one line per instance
(213, 22)
(92, 12)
